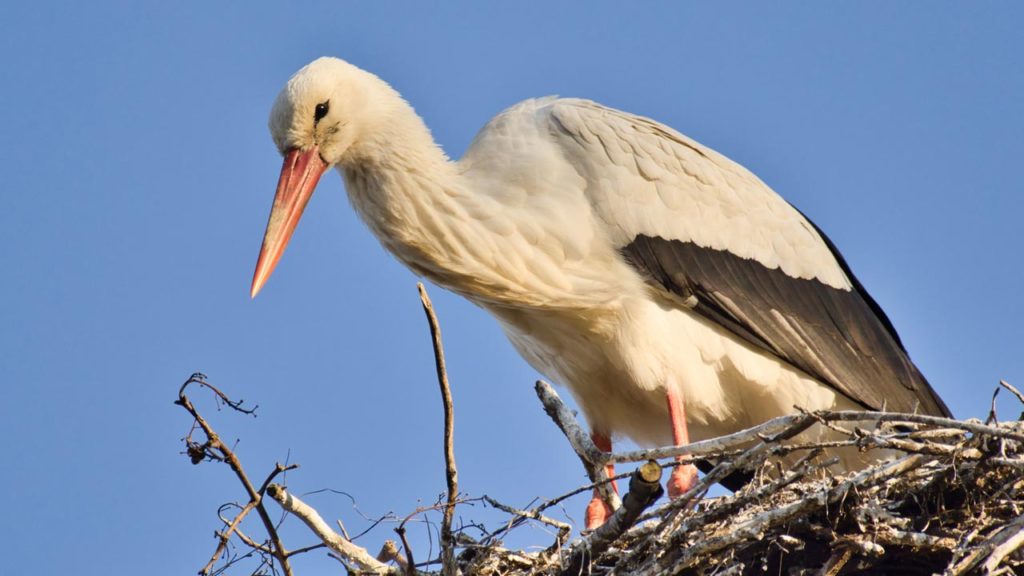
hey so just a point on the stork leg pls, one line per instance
(684, 476)
(598, 511)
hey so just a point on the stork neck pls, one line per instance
(413, 199)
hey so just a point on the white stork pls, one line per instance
(675, 294)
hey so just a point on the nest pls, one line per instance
(953, 503)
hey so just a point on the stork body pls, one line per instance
(673, 292)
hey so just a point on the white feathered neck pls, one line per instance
(417, 203)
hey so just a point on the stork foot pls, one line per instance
(682, 479)
(598, 512)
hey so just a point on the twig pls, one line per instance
(233, 526)
(199, 379)
(1013, 390)
(992, 417)
(783, 423)
(410, 562)
(278, 469)
(717, 445)
(451, 472)
(939, 421)
(347, 550)
(223, 537)
(563, 528)
(255, 496)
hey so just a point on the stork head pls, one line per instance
(317, 122)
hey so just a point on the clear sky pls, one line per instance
(138, 172)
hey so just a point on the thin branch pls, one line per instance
(357, 555)
(199, 379)
(784, 423)
(278, 469)
(717, 445)
(451, 472)
(938, 421)
(233, 526)
(305, 549)
(410, 561)
(255, 496)
(563, 528)
(1013, 390)
(223, 537)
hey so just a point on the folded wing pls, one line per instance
(713, 239)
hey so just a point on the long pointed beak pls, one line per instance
(299, 176)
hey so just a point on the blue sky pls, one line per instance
(138, 173)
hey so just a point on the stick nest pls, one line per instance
(952, 503)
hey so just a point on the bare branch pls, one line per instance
(720, 444)
(563, 528)
(451, 472)
(786, 424)
(410, 562)
(213, 442)
(353, 553)
(199, 379)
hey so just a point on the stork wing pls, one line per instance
(722, 244)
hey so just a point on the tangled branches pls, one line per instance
(950, 501)
(950, 504)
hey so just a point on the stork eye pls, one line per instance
(321, 111)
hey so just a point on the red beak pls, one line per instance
(299, 175)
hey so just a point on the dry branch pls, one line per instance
(216, 449)
(451, 472)
(357, 555)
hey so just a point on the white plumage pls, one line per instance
(623, 259)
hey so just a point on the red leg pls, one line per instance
(598, 510)
(683, 476)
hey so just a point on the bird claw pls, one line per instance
(683, 478)
(598, 512)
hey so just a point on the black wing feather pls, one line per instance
(839, 337)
